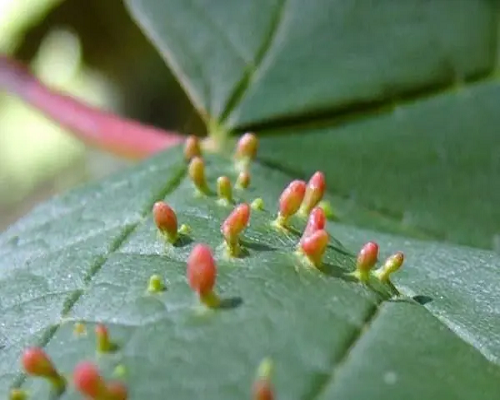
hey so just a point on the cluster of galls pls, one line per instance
(298, 198)
(86, 376)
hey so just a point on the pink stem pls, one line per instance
(110, 132)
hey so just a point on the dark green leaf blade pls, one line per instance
(432, 165)
(270, 59)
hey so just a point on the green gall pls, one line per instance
(224, 190)
(155, 284)
(391, 265)
(257, 204)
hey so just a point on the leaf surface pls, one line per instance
(397, 103)
(87, 257)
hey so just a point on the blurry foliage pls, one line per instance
(93, 50)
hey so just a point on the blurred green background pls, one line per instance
(94, 51)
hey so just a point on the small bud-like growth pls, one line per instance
(314, 193)
(232, 227)
(367, 258)
(79, 329)
(224, 191)
(89, 382)
(165, 220)
(315, 222)
(327, 208)
(290, 201)
(117, 391)
(185, 229)
(262, 387)
(155, 284)
(201, 274)
(247, 147)
(104, 345)
(196, 172)
(257, 204)
(391, 265)
(314, 246)
(18, 394)
(243, 180)
(37, 363)
(192, 148)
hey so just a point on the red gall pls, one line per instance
(247, 147)
(165, 220)
(192, 147)
(232, 227)
(202, 273)
(117, 391)
(391, 265)
(314, 193)
(89, 382)
(315, 222)
(37, 363)
(196, 172)
(367, 258)
(314, 246)
(262, 388)
(104, 344)
(290, 201)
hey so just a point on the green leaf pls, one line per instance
(87, 257)
(396, 103)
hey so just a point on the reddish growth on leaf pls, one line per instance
(201, 270)
(243, 180)
(103, 343)
(247, 147)
(37, 363)
(165, 219)
(89, 382)
(192, 148)
(314, 246)
(315, 222)
(290, 201)
(235, 223)
(262, 390)
(391, 265)
(314, 192)
(110, 132)
(367, 258)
